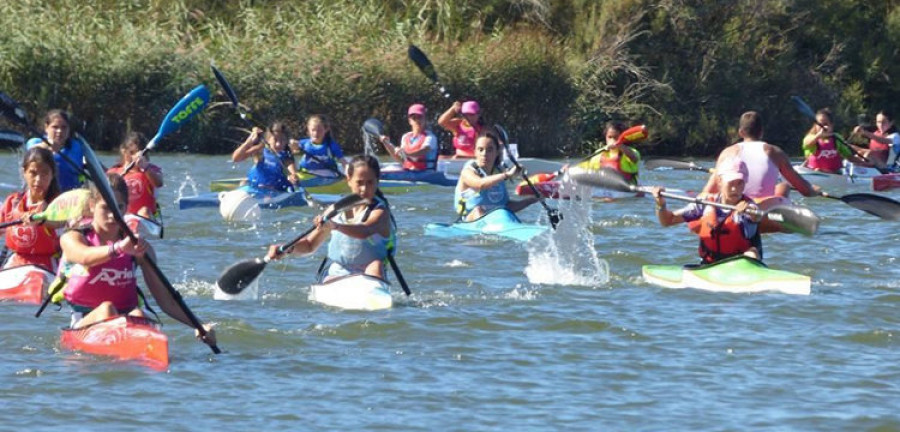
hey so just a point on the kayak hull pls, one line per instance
(266, 199)
(851, 176)
(26, 284)
(393, 173)
(884, 182)
(532, 165)
(500, 222)
(353, 292)
(125, 338)
(738, 274)
(312, 182)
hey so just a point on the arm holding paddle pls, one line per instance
(451, 119)
(251, 147)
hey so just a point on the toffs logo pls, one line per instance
(135, 188)
(192, 107)
(113, 276)
(24, 236)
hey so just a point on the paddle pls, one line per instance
(10, 109)
(877, 205)
(102, 184)
(553, 214)
(421, 61)
(631, 135)
(808, 111)
(794, 218)
(372, 127)
(186, 108)
(673, 164)
(11, 139)
(240, 275)
(67, 206)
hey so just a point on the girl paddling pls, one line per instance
(464, 121)
(272, 158)
(322, 155)
(418, 148)
(68, 152)
(143, 178)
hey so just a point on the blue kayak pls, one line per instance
(500, 222)
(269, 199)
(396, 174)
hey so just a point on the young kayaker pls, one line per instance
(884, 142)
(67, 150)
(322, 155)
(35, 243)
(823, 148)
(143, 178)
(418, 150)
(271, 157)
(100, 263)
(362, 236)
(464, 121)
(618, 156)
(482, 183)
(723, 233)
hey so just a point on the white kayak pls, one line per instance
(27, 284)
(353, 292)
(531, 165)
(851, 176)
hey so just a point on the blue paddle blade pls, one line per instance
(187, 107)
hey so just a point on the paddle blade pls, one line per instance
(673, 164)
(421, 61)
(11, 139)
(232, 96)
(605, 178)
(11, 110)
(344, 203)
(186, 108)
(793, 218)
(803, 107)
(633, 134)
(374, 127)
(880, 206)
(240, 275)
(67, 206)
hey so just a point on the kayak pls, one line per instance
(331, 184)
(500, 222)
(531, 165)
(124, 337)
(849, 176)
(549, 185)
(27, 283)
(353, 292)
(392, 175)
(269, 199)
(144, 226)
(883, 182)
(737, 274)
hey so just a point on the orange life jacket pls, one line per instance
(720, 240)
(34, 244)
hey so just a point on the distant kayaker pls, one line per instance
(482, 182)
(35, 243)
(464, 121)
(100, 263)
(884, 142)
(273, 162)
(143, 178)
(418, 150)
(322, 155)
(616, 154)
(723, 233)
(67, 150)
(765, 163)
(824, 148)
(361, 237)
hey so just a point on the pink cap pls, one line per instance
(733, 169)
(470, 107)
(416, 109)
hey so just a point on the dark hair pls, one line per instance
(54, 113)
(751, 125)
(372, 163)
(44, 156)
(822, 112)
(136, 139)
(614, 125)
(489, 134)
(890, 116)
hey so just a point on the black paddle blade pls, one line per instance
(605, 178)
(421, 61)
(374, 127)
(225, 86)
(11, 139)
(240, 275)
(803, 107)
(555, 217)
(11, 110)
(880, 206)
(793, 218)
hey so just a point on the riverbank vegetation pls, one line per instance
(551, 71)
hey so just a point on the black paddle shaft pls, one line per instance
(553, 214)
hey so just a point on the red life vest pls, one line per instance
(720, 240)
(34, 244)
(410, 144)
(615, 162)
(141, 192)
(879, 150)
(826, 158)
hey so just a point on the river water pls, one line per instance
(558, 334)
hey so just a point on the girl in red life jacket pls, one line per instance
(32, 242)
(884, 142)
(100, 263)
(617, 155)
(723, 233)
(464, 121)
(143, 178)
(418, 148)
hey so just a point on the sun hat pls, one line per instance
(733, 169)
(470, 107)
(416, 109)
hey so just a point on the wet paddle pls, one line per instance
(186, 108)
(806, 110)
(11, 139)
(631, 135)
(421, 61)
(240, 275)
(67, 206)
(553, 214)
(656, 163)
(102, 184)
(793, 218)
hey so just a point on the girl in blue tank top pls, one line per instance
(68, 152)
(322, 155)
(274, 164)
(362, 236)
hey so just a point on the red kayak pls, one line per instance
(123, 337)
(885, 182)
(26, 284)
(549, 185)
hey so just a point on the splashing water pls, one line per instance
(568, 257)
(188, 182)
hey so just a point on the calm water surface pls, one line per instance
(558, 334)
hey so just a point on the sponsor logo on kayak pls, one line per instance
(189, 110)
(113, 277)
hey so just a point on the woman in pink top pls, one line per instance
(463, 120)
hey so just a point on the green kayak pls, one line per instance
(737, 274)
